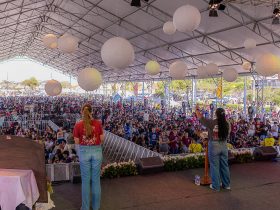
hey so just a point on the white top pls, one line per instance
(17, 186)
(146, 117)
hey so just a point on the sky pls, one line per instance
(19, 69)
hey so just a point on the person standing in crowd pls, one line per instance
(89, 134)
(60, 136)
(218, 132)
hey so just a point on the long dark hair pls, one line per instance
(222, 123)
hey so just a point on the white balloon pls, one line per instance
(230, 75)
(169, 28)
(268, 65)
(53, 87)
(201, 72)
(250, 43)
(212, 69)
(246, 66)
(50, 41)
(117, 53)
(178, 70)
(68, 43)
(186, 18)
(89, 79)
(152, 68)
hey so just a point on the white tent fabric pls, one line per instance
(217, 40)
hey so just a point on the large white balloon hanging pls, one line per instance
(152, 68)
(186, 18)
(212, 69)
(53, 87)
(169, 28)
(89, 79)
(201, 72)
(230, 75)
(246, 66)
(50, 41)
(68, 43)
(250, 43)
(178, 70)
(268, 65)
(117, 53)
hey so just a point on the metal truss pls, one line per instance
(24, 22)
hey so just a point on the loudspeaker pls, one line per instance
(265, 153)
(150, 165)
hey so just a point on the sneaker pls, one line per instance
(227, 188)
(212, 188)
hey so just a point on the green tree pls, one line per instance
(66, 84)
(32, 83)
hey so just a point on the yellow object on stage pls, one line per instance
(219, 91)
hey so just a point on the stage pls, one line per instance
(255, 186)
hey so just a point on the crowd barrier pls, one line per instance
(40, 125)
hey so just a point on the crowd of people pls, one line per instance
(166, 131)
(173, 132)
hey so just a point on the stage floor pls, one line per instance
(255, 186)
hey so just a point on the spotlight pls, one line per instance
(135, 3)
(215, 5)
(213, 13)
(276, 15)
(275, 21)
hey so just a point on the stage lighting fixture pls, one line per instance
(215, 5)
(275, 21)
(276, 15)
(213, 13)
(136, 3)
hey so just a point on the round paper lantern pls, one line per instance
(201, 72)
(89, 79)
(152, 68)
(268, 65)
(53, 88)
(250, 43)
(117, 53)
(246, 66)
(50, 41)
(212, 69)
(230, 75)
(186, 18)
(169, 28)
(178, 70)
(68, 43)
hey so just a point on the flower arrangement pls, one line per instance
(172, 163)
(243, 155)
(177, 163)
(120, 169)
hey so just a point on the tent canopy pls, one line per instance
(219, 40)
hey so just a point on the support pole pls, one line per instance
(245, 96)
(194, 92)
(143, 91)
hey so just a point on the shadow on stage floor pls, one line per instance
(255, 186)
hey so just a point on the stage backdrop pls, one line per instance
(21, 153)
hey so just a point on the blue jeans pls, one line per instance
(90, 164)
(218, 158)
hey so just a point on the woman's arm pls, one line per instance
(205, 122)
